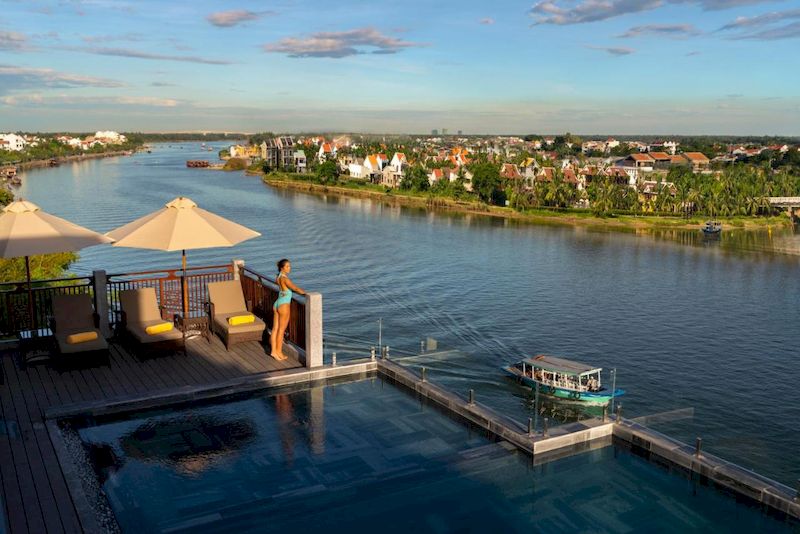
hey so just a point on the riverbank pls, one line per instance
(40, 163)
(536, 216)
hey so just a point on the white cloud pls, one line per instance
(339, 44)
(234, 17)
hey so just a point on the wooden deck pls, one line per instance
(34, 492)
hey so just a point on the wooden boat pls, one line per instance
(563, 379)
(712, 228)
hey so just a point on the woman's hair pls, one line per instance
(282, 263)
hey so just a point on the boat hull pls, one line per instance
(599, 398)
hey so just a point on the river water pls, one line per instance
(712, 326)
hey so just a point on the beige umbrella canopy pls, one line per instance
(181, 225)
(26, 230)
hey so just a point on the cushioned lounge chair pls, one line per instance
(140, 312)
(75, 325)
(226, 300)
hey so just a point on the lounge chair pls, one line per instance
(225, 303)
(75, 325)
(142, 321)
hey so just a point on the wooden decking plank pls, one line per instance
(125, 371)
(202, 354)
(32, 493)
(152, 377)
(130, 364)
(36, 401)
(12, 492)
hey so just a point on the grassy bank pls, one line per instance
(300, 182)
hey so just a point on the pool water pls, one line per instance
(361, 455)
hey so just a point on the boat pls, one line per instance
(563, 379)
(712, 228)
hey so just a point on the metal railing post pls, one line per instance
(472, 397)
(423, 373)
(545, 427)
(698, 445)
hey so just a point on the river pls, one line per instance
(688, 323)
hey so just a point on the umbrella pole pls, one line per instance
(30, 294)
(185, 291)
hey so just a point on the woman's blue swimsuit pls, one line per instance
(284, 296)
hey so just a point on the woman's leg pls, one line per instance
(283, 313)
(273, 335)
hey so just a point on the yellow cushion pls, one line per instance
(81, 337)
(158, 328)
(241, 319)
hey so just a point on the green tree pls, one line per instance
(328, 172)
(416, 179)
(486, 181)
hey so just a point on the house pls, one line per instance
(549, 141)
(357, 170)
(611, 143)
(238, 151)
(109, 137)
(435, 175)
(620, 175)
(398, 160)
(670, 147)
(326, 150)
(593, 146)
(391, 177)
(300, 162)
(286, 151)
(662, 160)
(13, 142)
(509, 171)
(278, 152)
(374, 163)
(642, 162)
(697, 160)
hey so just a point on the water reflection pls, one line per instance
(188, 444)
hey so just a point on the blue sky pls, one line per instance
(585, 66)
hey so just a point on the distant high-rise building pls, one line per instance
(460, 132)
(444, 131)
(434, 132)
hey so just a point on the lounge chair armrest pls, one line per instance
(96, 319)
(210, 310)
(249, 305)
(178, 320)
(52, 323)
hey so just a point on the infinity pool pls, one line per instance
(353, 456)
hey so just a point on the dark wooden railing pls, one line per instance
(167, 284)
(15, 316)
(261, 293)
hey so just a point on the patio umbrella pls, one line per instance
(181, 225)
(26, 230)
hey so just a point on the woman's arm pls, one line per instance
(293, 287)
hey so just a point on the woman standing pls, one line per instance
(282, 308)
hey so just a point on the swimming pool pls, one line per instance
(366, 454)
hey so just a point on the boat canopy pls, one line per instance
(561, 365)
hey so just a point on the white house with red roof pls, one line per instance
(326, 151)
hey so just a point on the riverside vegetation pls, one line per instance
(738, 195)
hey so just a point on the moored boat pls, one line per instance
(712, 228)
(563, 379)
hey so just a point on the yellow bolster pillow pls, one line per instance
(81, 337)
(241, 319)
(159, 328)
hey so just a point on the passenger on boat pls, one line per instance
(592, 385)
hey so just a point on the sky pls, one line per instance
(503, 66)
